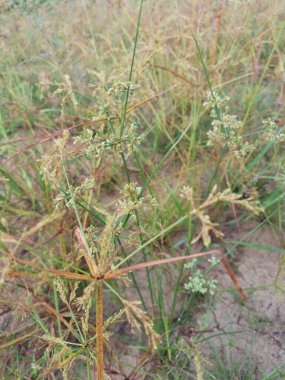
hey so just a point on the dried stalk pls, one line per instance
(99, 331)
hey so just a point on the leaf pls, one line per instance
(234, 279)
(148, 264)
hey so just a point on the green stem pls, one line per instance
(131, 72)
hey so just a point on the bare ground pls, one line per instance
(254, 330)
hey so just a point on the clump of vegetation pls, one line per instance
(125, 151)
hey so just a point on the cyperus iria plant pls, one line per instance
(97, 253)
(102, 249)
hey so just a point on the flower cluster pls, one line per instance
(64, 90)
(133, 200)
(51, 164)
(226, 128)
(105, 142)
(197, 282)
(66, 200)
(273, 132)
(119, 88)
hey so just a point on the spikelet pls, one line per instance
(136, 316)
(85, 319)
(61, 289)
(51, 164)
(82, 301)
(113, 319)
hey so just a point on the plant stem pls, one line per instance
(99, 332)
(125, 105)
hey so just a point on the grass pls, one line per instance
(119, 155)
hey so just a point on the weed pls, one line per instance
(127, 145)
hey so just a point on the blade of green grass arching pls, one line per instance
(140, 167)
(39, 321)
(174, 198)
(252, 164)
(261, 247)
(277, 374)
(247, 235)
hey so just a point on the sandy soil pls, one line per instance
(260, 323)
